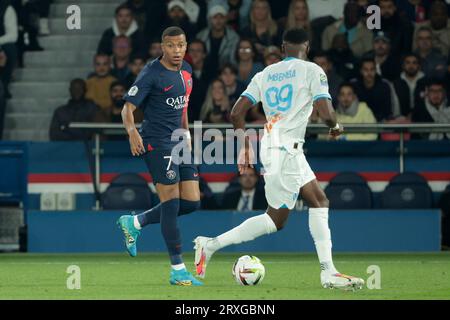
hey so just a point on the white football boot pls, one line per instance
(341, 281)
(202, 255)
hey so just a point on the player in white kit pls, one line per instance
(289, 91)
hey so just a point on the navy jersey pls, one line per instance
(163, 95)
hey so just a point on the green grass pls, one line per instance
(288, 276)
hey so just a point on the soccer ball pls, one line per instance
(248, 271)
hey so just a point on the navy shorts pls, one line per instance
(165, 171)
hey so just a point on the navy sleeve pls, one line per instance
(141, 87)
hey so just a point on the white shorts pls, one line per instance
(285, 172)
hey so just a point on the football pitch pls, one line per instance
(288, 276)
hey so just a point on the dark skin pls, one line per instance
(174, 49)
(312, 193)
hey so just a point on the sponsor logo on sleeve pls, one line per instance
(133, 91)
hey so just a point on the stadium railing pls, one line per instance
(401, 129)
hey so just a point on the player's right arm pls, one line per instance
(136, 143)
(322, 100)
(134, 98)
(246, 101)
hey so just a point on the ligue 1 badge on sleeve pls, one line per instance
(133, 91)
(323, 80)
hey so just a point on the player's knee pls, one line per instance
(187, 206)
(320, 201)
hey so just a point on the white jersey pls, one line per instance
(287, 90)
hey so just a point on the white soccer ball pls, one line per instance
(248, 271)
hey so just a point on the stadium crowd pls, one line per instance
(397, 74)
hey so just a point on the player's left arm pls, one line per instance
(185, 125)
(322, 100)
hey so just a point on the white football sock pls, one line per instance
(136, 223)
(248, 230)
(177, 267)
(320, 232)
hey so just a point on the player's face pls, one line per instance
(346, 97)
(368, 71)
(436, 95)
(411, 66)
(124, 18)
(174, 48)
(102, 66)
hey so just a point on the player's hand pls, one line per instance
(334, 133)
(245, 159)
(136, 143)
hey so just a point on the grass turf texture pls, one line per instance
(288, 276)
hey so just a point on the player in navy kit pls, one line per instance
(162, 91)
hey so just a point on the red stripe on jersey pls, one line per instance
(187, 79)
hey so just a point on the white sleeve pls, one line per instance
(253, 91)
(318, 83)
(10, 21)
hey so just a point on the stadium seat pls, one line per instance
(349, 190)
(408, 190)
(127, 191)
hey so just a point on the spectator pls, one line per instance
(439, 25)
(99, 82)
(234, 88)
(123, 24)
(217, 107)
(323, 8)
(434, 64)
(77, 109)
(177, 16)
(359, 38)
(201, 76)
(140, 13)
(246, 61)
(351, 110)
(405, 86)
(154, 50)
(298, 17)
(373, 90)
(8, 38)
(414, 10)
(113, 113)
(334, 80)
(397, 28)
(263, 30)
(344, 62)
(433, 109)
(246, 196)
(272, 54)
(137, 63)
(387, 62)
(220, 40)
(121, 58)
(238, 13)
